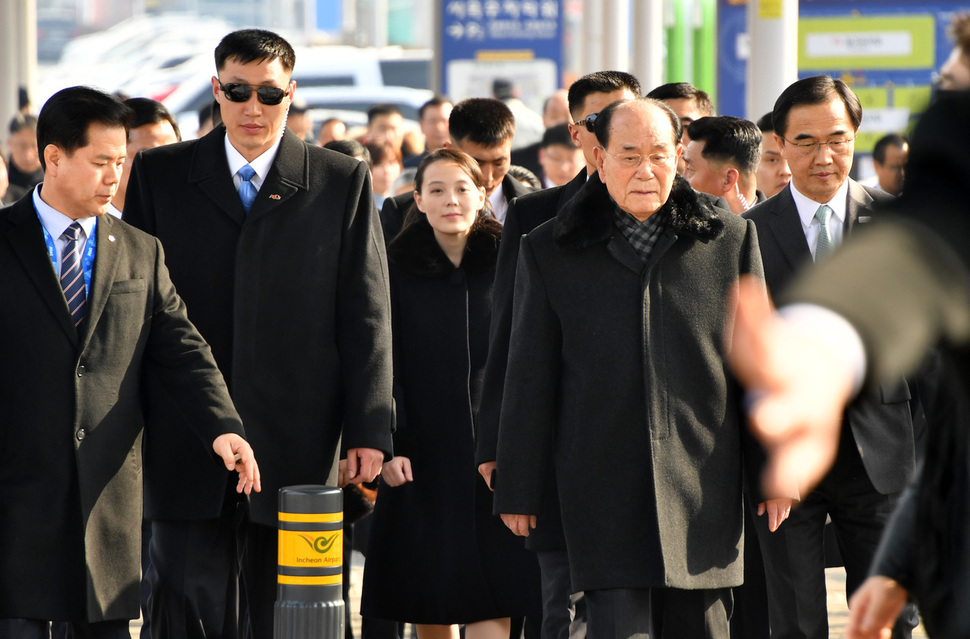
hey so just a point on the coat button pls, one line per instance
(80, 370)
(80, 434)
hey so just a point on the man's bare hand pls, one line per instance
(486, 470)
(874, 607)
(363, 464)
(237, 454)
(520, 524)
(798, 387)
(397, 471)
(777, 510)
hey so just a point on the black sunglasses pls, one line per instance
(241, 93)
(589, 121)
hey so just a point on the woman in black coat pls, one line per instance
(437, 556)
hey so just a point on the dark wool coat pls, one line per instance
(71, 417)
(436, 553)
(616, 377)
(293, 298)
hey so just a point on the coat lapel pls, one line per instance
(787, 229)
(102, 276)
(210, 170)
(290, 173)
(858, 207)
(27, 239)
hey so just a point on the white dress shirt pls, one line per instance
(261, 164)
(56, 223)
(806, 213)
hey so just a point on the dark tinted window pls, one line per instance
(407, 73)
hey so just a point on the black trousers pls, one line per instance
(38, 629)
(563, 612)
(794, 555)
(194, 578)
(659, 613)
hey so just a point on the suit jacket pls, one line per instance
(293, 298)
(71, 424)
(880, 420)
(616, 379)
(395, 209)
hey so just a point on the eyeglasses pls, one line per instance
(589, 122)
(634, 160)
(270, 96)
(838, 147)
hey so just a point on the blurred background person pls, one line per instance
(528, 124)
(773, 173)
(559, 156)
(353, 148)
(23, 167)
(331, 130)
(889, 159)
(153, 126)
(4, 182)
(437, 556)
(385, 124)
(209, 118)
(404, 182)
(385, 167)
(525, 177)
(300, 122)
(555, 111)
(955, 72)
(433, 121)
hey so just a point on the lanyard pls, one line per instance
(87, 260)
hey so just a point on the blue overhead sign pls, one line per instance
(501, 33)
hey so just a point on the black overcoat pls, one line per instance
(616, 377)
(293, 298)
(71, 417)
(437, 554)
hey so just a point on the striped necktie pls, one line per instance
(72, 274)
(825, 245)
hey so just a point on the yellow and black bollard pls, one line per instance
(309, 594)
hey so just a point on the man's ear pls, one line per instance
(730, 177)
(52, 159)
(599, 155)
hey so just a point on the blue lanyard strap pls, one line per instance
(87, 260)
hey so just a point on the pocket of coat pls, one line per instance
(129, 286)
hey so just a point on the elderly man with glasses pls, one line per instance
(816, 120)
(616, 380)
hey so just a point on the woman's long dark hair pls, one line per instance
(484, 220)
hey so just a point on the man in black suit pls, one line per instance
(587, 96)
(816, 120)
(483, 128)
(616, 381)
(88, 310)
(895, 290)
(284, 271)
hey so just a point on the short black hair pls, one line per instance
(765, 123)
(22, 121)
(382, 109)
(599, 82)
(437, 100)
(255, 45)
(684, 91)
(728, 139)
(524, 175)
(148, 111)
(818, 89)
(605, 119)
(67, 115)
(558, 134)
(886, 141)
(484, 121)
(353, 148)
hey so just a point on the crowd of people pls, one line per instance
(521, 330)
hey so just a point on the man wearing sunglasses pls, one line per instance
(276, 248)
(816, 120)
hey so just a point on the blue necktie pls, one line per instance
(72, 274)
(247, 192)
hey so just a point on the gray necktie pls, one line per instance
(825, 245)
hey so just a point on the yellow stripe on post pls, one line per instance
(312, 518)
(333, 580)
